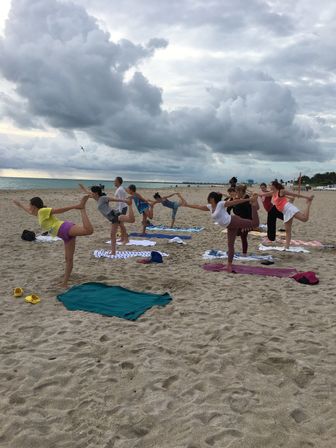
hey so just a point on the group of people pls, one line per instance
(238, 213)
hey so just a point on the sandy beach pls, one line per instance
(234, 361)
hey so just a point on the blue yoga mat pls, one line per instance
(111, 300)
(160, 235)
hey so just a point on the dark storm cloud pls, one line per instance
(70, 74)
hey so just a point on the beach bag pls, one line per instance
(28, 235)
(306, 278)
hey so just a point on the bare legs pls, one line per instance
(129, 217)
(288, 228)
(86, 228)
(69, 250)
(147, 214)
(304, 216)
(239, 223)
(76, 230)
(301, 216)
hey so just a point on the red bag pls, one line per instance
(306, 278)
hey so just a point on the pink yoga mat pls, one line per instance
(252, 270)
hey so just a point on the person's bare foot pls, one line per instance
(83, 202)
(183, 201)
(229, 268)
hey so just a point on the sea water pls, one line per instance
(25, 183)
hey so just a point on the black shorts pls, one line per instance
(124, 211)
(113, 217)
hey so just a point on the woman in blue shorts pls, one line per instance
(173, 205)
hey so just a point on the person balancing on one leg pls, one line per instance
(66, 230)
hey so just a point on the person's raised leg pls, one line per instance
(69, 250)
(86, 228)
(129, 217)
(304, 216)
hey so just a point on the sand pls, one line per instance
(234, 361)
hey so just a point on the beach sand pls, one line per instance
(234, 361)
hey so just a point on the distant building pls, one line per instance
(250, 181)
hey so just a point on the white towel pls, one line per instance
(177, 240)
(102, 253)
(296, 249)
(136, 243)
(237, 256)
(176, 229)
(47, 239)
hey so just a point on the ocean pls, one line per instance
(25, 183)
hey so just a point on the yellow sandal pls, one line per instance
(17, 292)
(33, 299)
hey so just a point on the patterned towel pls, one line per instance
(282, 249)
(212, 254)
(135, 243)
(102, 253)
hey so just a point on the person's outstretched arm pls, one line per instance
(265, 194)
(83, 188)
(236, 202)
(24, 207)
(293, 195)
(184, 203)
(170, 195)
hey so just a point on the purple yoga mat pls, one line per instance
(252, 270)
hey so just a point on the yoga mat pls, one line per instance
(135, 243)
(102, 253)
(313, 243)
(252, 270)
(160, 235)
(297, 249)
(176, 229)
(213, 254)
(111, 300)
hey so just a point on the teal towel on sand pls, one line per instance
(111, 300)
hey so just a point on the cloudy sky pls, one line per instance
(167, 90)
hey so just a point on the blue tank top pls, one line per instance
(140, 205)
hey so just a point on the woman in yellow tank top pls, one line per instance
(280, 198)
(66, 230)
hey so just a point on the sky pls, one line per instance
(178, 90)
